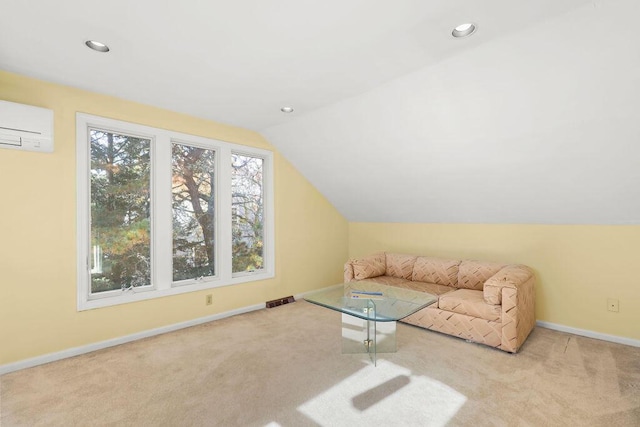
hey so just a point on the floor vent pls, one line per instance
(280, 301)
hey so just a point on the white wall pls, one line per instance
(541, 126)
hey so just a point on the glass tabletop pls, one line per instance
(390, 303)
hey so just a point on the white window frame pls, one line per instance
(161, 214)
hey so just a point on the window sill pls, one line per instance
(148, 294)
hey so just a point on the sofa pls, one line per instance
(484, 302)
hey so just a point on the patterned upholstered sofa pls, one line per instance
(484, 302)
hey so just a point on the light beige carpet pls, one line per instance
(284, 367)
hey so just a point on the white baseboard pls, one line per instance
(76, 351)
(589, 334)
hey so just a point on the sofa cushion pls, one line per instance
(389, 281)
(400, 265)
(371, 266)
(430, 288)
(469, 302)
(436, 270)
(473, 274)
(492, 294)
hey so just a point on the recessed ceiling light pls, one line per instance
(287, 109)
(100, 47)
(464, 30)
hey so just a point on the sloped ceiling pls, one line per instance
(239, 62)
(538, 126)
(533, 119)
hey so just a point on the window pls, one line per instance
(120, 211)
(248, 212)
(193, 199)
(162, 213)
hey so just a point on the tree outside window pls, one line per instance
(164, 213)
(193, 193)
(120, 211)
(247, 207)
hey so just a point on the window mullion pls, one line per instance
(223, 226)
(162, 228)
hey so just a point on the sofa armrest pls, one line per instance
(510, 276)
(348, 271)
(513, 287)
(370, 266)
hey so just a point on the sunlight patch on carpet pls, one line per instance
(385, 394)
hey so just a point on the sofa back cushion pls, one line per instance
(472, 274)
(400, 265)
(436, 270)
(370, 266)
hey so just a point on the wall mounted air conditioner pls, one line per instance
(24, 127)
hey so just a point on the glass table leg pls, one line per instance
(371, 341)
(368, 336)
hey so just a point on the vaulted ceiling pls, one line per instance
(533, 119)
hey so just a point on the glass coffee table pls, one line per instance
(369, 313)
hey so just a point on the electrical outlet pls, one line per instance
(613, 305)
(209, 299)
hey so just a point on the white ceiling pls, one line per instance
(532, 119)
(238, 62)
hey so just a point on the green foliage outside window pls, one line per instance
(120, 211)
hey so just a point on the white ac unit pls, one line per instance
(25, 127)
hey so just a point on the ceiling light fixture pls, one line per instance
(97, 46)
(464, 30)
(287, 109)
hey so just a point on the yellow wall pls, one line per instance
(38, 233)
(577, 267)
